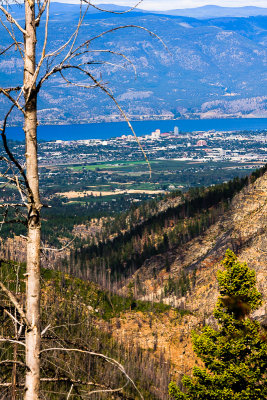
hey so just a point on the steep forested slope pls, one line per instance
(189, 282)
(243, 228)
(178, 269)
(154, 229)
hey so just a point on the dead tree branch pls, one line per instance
(15, 302)
(110, 11)
(12, 20)
(106, 358)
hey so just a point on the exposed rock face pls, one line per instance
(242, 228)
(166, 334)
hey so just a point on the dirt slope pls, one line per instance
(242, 228)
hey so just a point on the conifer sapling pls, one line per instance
(235, 355)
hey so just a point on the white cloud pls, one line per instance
(173, 4)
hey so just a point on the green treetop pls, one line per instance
(235, 355)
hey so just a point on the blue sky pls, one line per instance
(173, 4)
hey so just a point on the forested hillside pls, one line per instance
(157, 228)
(109, 250)
(76, 314)
(161, 259)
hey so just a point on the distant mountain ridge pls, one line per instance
(204, 12)
(213, 68)
(212, 11)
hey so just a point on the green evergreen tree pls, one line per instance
(235, 355)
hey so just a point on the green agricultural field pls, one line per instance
(134, 175)
(115, 165)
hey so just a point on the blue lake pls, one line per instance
(113, 129)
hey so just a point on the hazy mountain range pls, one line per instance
(209, 11)
(212, 67)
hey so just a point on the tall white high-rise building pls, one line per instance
(156, 134)
(176, 131)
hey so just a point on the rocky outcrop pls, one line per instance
(242, 228)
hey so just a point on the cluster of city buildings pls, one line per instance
(206, 145)
(198, 145)
(156, 135)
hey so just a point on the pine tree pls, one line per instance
(235, 355)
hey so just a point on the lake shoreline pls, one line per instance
(141, 119)
(108, 130)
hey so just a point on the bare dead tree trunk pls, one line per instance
(14, 373)
(32, 336)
